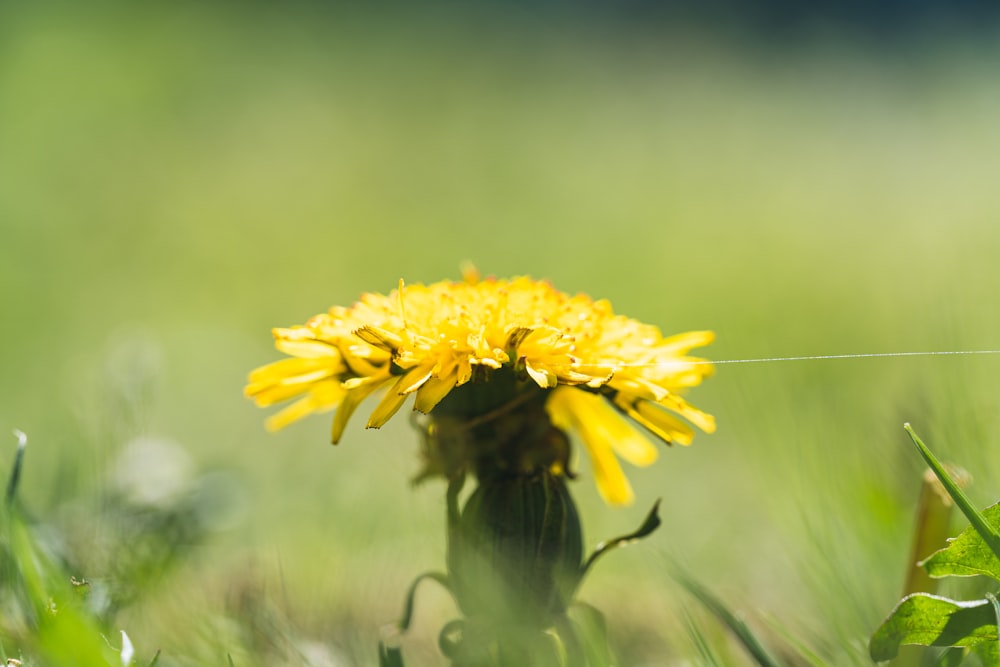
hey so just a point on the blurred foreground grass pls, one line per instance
(176, 180)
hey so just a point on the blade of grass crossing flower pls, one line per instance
(975, 517)
(735, 624)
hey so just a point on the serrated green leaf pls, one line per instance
(931, 620)
(988, 653)
(989, 532)
(968, 554)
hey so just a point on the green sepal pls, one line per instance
(930, 620)
(649, 524)
(440, 577)
(968, 554)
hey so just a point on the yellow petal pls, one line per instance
(322, 396)
(637, 386)
(681, 343)
(414, 379)
(269, 394)
(286, 368)
(276, 388)
(292, 413)
(431, 393)
(297, 332)
(543, 377)
(387, 407)
(702, 420)
(351, 401)
(611, 481)
(607, 424)
(382, 338)
(661, 423)
(568, 411)
(309, 349)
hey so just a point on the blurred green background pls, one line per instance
(176, 179)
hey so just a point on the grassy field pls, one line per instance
(176, 180)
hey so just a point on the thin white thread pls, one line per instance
(863, 355)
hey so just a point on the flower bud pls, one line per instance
(515, 551)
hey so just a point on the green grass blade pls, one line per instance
(735, 624)
(15, 472)
(975, 517)
(700, 642)
(801, 647)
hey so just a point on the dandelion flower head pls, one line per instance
(476, 348)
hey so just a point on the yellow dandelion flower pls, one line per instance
(486, 350)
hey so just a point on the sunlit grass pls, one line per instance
(174, 181)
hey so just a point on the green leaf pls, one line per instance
(988, 653)
(968, 554)
(700, 642)
(989, 533)
(930, 620)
